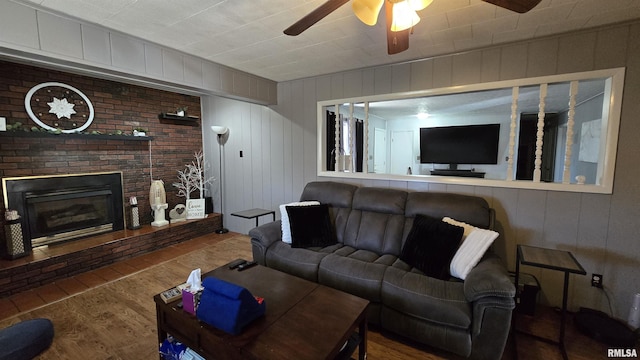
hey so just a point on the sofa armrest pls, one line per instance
(490, 290)
(489, 279)
(262, 237)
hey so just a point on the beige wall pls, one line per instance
(280, 156)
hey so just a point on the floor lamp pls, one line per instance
(220, 131)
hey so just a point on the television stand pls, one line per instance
(461, 173)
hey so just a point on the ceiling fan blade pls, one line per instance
(397, 41)
(519, 6)
(313, 17)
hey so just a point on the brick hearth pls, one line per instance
(51, 263)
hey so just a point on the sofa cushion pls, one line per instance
(284, 217)
(470, 209)
(475, 243)
(338, 196)
(430, 246)
(352, 274)
(373, 231)
(327, 192)
(388, 201)
(377, 220)
(433, 300)
(296, 261)
(310, 226)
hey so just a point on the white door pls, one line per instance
(380, 151)
(401, 152)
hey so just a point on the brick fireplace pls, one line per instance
(119, 107)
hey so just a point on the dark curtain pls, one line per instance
(331, 141)
(359, 144)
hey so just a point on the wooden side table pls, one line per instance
(552, 259)
(254, 213)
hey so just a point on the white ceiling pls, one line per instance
(247, 34)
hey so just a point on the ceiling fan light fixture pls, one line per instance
(367, 10)
(418, 5)
(404, 17)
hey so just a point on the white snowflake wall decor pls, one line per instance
(62, 108)
(72, 109)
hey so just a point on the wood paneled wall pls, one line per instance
(279, 155)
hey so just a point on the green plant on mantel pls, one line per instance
(19, 127)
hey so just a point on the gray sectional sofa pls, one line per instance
(470, 318)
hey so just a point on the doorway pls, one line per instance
(401, 152)
(380, 151)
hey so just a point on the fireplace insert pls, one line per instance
(65, 207)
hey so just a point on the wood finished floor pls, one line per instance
(109, 313)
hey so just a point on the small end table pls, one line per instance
(254, 213)
(553, 259)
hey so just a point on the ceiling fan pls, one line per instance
(400, 16)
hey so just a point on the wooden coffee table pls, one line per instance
(304, 320)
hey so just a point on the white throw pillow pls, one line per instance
(475, 242)
(467, 228)
(284, 217)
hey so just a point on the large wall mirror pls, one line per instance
(556, 132)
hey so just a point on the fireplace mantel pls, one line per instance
(38, 134)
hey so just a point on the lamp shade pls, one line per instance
(418, 5)
(157, 195)
(367, 10)
(220, 130)
(404, 17)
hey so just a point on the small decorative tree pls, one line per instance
(192, 179)
(188, 182)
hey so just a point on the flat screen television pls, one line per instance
(454, 145)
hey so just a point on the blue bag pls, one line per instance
(227, 306)
(170, 349)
